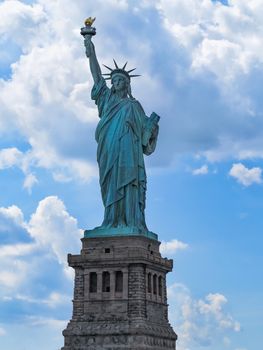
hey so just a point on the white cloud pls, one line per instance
(14, 214)
(60, 177)
(52, 301)
(52, 231)
(17, 15)
(14, 272)
(213, 305)
(201, 171)
(16, 250)
(202, 322)
(30, 181)
(171, 247)
(56, 298)
(217, 34)
(47, 98)
(50, 322)
(47, 84)
(53, 228)
(13, 268)
(244, 175)
(10, 157)
(221, 44)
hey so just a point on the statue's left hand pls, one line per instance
(155, 131)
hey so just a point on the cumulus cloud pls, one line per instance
(221, 44)
(53, 228)
(207, 63)
(17, 15)
(50, 232)
(213, 305)
(171, 247)
(14, 214)
(33, 264)
(210, 31)
(13, 250)
(202, 322)
(203, 170)
(10, 157)
(246, 176)
(50, 108)
(15, 246)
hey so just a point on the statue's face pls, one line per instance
(119, 83)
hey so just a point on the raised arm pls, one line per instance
(93, 61)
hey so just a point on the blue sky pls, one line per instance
(201, 67)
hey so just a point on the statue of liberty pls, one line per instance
(124, 134)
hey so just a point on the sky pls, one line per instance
(201, 66)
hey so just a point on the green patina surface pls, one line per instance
(124, 134)
(117, 231)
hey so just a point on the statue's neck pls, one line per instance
(121, 94)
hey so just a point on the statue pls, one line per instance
(124, 133)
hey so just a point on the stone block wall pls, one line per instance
(78, 306)
(120, 299)
(136, 291)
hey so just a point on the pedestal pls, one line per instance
(120, 299)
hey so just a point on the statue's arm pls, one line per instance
(93, 61)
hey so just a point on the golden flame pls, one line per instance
(89, 21)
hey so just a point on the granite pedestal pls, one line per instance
(120, 299)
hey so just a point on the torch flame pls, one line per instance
(89, 21)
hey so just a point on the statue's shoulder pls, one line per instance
(136, 104)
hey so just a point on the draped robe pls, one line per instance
(123, 134)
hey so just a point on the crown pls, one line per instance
(118, 70)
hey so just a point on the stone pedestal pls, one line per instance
(120, 299)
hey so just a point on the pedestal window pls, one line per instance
(154, 284)
(105, 281)
(118, 281)
(149, 282)
(93, 282)
(160, 286)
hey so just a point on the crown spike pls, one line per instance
(129, 71)
(115, 64)
(108, 67)
(119, 70)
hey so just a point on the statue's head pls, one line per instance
(120, 82)
(120, 78)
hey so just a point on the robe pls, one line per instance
(124, 133)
